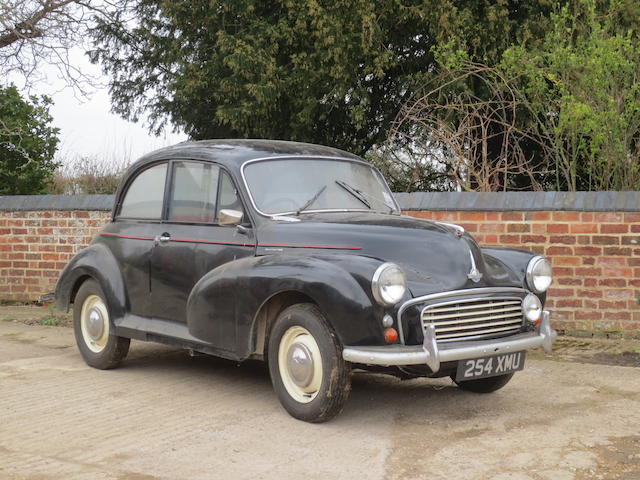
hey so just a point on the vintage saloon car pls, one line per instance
(298, 254)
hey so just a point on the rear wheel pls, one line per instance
(94, 331)
(484, 385)
(305, 362)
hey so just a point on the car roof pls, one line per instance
(233, 153)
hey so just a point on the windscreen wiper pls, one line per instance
(311, 200)
(356, 193)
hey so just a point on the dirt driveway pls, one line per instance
(164, 415)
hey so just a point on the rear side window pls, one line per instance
(145, 194)
(194, 192)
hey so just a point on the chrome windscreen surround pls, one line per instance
(489, 292)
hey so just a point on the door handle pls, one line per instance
(162, 238)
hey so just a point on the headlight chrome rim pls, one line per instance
(376, 284)
(531, 272)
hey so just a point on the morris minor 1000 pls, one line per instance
(299, 255)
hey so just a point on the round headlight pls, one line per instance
(388, 284)
(539, 275)
(532, 307)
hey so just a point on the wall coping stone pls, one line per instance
(416, 201)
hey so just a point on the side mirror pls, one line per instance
(229, 217)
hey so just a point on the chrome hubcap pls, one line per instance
(300, 364)
(95, 324)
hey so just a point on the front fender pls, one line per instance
(223, 306)
(98, 262)
(509, 266)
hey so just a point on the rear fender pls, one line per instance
(97, 262)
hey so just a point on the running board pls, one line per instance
(166, 332)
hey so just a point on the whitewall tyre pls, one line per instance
(305, 362)
(94, 330)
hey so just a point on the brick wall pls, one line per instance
(595, 258)
(592, 240)
(36, 245)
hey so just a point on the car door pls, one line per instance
(190, 242)
(130, 235)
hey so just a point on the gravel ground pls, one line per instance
(165, 415)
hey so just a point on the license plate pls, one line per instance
(490, 366)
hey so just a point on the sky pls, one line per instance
(87, 128)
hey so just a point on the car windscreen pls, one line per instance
(282, 186)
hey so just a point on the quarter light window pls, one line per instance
(194, 192)
(145, 194)
(228, 195)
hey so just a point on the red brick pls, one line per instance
(617, 272)
(618, 293)
(588, 271)
(555, 250)
(612, 261)
(589, 293)
(584, 228)
(533, 239)
(632, 217)
(491, 227)
(561, 292)
(518, 228)
(588, 315)
(566, 216)
(629, 240)
(612, 304)
(609, 217)
(557, 228)
(538, 216)
(603, 240)
(588, 261)
(588, 250)
(568, 281)
(617, 251)
(573, 261)
(612, 282)
(565, 239)
(569, 303)
(617, 316)
(472, 216)
(512, 216)
(615, 228)
(510, 238)
(562, 271)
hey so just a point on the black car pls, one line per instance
(298, 254)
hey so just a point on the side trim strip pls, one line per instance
(334, 247)
(186, 240)
(125, 236)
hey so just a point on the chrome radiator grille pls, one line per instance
(474, 318)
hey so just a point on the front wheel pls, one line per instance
(484, 385)
(308, 373)
(94, 331)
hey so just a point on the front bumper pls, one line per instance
(432, 354)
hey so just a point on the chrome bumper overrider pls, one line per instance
(432, 354)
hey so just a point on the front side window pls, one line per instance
(145, 195)
(282, 186)
(194, 192)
